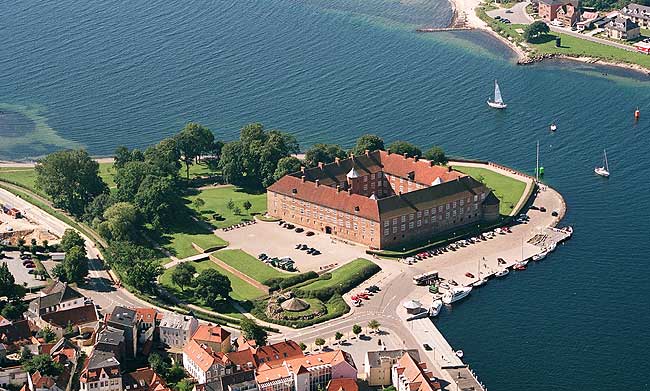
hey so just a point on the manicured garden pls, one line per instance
(249, 265)
(217, 209)
(508, 190)
(341, 280)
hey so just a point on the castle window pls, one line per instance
(426, 212)
(475, 197)
(395, 229)
(403, 227)
(462, 202)
(365, 178)
(386, 232)
(411, 225)
(386, 223)
(419, 223)
(419, 214)
(365, 187)
(404, 219)
(395, 221)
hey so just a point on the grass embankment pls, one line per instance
(242, 291)
(216, 202)
(508, 190)
(341, 280)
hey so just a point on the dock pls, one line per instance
(458, 23)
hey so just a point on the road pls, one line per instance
(517, 14)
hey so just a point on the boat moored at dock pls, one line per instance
(456, 293)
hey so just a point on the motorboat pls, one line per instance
(553, 127)
(540, 256)
(518, 266)
(480, 282)
(497, 103)
(551, 248)
(455, 294)
(502, 273)
(435, 308)
(459, 353)
(524, 262)
(604, 170)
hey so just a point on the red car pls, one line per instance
(30, 266)
(507, 229)
(363, 295)
(470, 275)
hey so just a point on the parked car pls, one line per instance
(309, 233)
(506, 21)
(30, 266)
(262, 256)
(542, 209)
(315, 252)
(304, 247)
(27, 261)
(469, 275)
(32, 271)
(498, 17)
(427, 347)
(508, 11)
(299, 230)
(554, 213)
(501, 261)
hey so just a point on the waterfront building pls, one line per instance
(378, 365)
(177, 329)
(568, 14)
(639, 14)
(381, 199)
(548, 9)
(408, 374)
(622, 28)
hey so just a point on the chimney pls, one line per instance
(349, 192)
(367, 152)
(388, 151)
(317, 182)
(406, 155)
(303, 178)
(416, 158)
(431, 163)
(302, 169)
(338, 188)
(320, 165)
(448, 168)
(337, 160)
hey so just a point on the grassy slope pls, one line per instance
(26, 176)
(339, 275)
(507, 190)
(216, 200)
(249, 265)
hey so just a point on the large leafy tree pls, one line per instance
(193, 141)
(75, 265)
(71, 179)
(128, 179)
(287, 165)
(535, 29)
(436, 155)
(94, 211)
(402, 147)
(183, 275)
(251, 330)
(232, 162)
(44, 364)
(122, 254)
(122, 156)
(142, 275)
(325, 153)
(7, 281)
(370, 142)
(121, 221)
(164, 158)
(158, 199)
(70, 239)
(212, 286)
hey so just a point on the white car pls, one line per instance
(557, 23)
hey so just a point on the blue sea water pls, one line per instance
(114, 72)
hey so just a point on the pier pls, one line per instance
(458, 23)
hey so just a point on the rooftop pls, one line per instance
(123, 316)
(72, 316)
(208, 333)
(174, 320)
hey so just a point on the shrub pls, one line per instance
(285, 282)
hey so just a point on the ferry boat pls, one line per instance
(456, 294)
(435, 308)
(502, 273)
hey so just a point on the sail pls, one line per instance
(497, 93)
(605, 158)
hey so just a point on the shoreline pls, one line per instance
(523, 57)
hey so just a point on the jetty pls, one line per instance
(458, 23)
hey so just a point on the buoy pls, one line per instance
(637, 114)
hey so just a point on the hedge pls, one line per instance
(352, 281)
(279, 283)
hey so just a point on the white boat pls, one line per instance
(523, 263)
(456, 293)
(540, 256)
(551, 248)
(435, 308)
(480, 282)
(497, 103)
(460, 353)
(603, 171)
(553, 127)
(502, 273)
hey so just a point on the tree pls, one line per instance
(232, 162)
(193, 141)
(122, 254)
(158, 364)
(70, 178)
(71, 238)
(25, 355)
(323, 153)
(184, 385)
(253, 331)
(122, 155)
(128, 179)
(404, 147)
(302, 346)
(287, 165)
(230, 205)
(75, 265)
(436, 155)
(338, 336)
(94, 211)
(158, 199)
(15, 309)
(374, 325)
(175, 374)
(247, 205)
(142, 275)
(368, 142)
(534, 30)
(164, 158)
(7, 281)
(236, 210)
(33, 249)
(319, 342)
(44, 364)
(183, 275)
(212, 286)
(47, 334)
(199, 203)
(46, 245)
(121, 221)
(356, 329)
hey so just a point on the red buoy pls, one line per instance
(637, 114)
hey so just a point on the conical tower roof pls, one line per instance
(294, 304)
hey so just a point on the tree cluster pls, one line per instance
(74, 267)
(209, 285)
(535, 29)
(11, 295)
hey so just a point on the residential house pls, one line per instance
(55, 297)
(125, 319)
(639, 14)
(568, 14)
(548, 9)
(378, 365)
(343, 385)
(111, 340)
(307, 373)
(15, 376)
(16, 335)
(83, 318)
(284, 350)
(622, 28)
(64, 353)
(408, 374)
(202, 363)
(101, 373)
(237, 381)
(587, 20)
(216, 337)
(177, 329)
(144, 379)
(146, 318)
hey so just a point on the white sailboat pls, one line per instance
(603, 171)
(497, 103)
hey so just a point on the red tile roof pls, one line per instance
(73, 316)
(213, 334)
(278, 351)
(147, 315)
(201, 355)
(343, 385)
(417, 375)
(144, 379)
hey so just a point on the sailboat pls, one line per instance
(603, 171)
(553, 127)
(497, 103)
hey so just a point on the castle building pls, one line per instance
(381, 199)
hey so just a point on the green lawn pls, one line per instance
(179, 237)
(216, 200)
(249, 265)
(508, 190)
(241, 290)
(352, 273)
(26, 176)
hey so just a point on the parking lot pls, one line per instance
(275, 241)
(20, 272)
